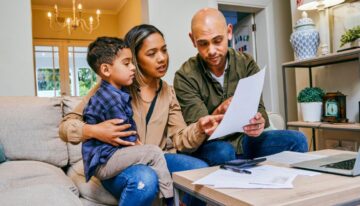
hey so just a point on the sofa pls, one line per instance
(40, 169)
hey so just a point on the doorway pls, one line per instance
(244, 31)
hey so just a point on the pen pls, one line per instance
(235, 169)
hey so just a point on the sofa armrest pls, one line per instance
(276, 121)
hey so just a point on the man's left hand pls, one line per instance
(256, 126)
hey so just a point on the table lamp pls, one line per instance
(320, 6)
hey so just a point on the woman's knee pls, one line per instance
(144, 176)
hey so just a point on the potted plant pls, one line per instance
(310, 99)
(351, 36)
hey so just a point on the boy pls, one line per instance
(111, 59)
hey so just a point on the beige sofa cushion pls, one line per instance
(68, 104)
(92, 190)
(39, 195)
(29, 129)
(23, 174)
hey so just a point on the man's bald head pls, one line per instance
(207, 16)
(210, 35)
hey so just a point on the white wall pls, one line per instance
(273, 29)
(173, 18)
(16, 55)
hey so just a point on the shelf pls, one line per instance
(324, 125)
(332, 58)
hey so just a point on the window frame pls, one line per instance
(64, 63)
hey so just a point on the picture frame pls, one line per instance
(342, 17)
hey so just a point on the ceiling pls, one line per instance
(112, 6)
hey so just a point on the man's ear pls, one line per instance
(192, 39)
(229, 31)
(105, 70)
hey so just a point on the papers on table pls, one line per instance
(265, 176)
(289, 158)
(243, 106)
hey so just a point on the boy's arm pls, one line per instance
(73, 129)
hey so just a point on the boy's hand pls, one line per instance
(256, 126)
(209, 123)
(109, 132)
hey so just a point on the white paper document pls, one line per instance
(264, 176)
(288, 157)
(243, 106)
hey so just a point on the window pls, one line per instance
(47, 71)
(61, 68)
(82, 77)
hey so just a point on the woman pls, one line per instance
(158, 118)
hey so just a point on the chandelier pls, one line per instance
(58, 23)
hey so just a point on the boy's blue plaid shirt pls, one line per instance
(107, 103)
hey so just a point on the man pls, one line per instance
(206, 83)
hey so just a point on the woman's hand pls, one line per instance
(209, 123)
(109, 132)
(221, 109)
(256, 126)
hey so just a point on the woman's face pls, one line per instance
(152, 57)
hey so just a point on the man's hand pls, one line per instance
(209, 123)
(256, 126)
(221, 109)
(109, 132)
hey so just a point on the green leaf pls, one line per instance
(310, 94)
(350, 35)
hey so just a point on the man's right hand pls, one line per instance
(109, 132)
(221, 109)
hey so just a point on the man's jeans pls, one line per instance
(268, 143)
(138, 184)
(274, 141)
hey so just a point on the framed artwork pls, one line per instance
(343, 17)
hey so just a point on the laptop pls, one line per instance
(342, 164)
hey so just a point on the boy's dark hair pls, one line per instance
(104, 51)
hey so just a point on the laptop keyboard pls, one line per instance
(346, 165)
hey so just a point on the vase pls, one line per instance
(305, 39)
(311, 111)
(355, 43)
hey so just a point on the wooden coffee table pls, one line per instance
(324, 189)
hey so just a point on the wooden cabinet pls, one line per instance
(343, 141)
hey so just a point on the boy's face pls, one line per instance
(122, 71)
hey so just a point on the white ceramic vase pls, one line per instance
(305, 39)
(311, 111)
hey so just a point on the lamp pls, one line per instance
(72, 23)
(320, 5)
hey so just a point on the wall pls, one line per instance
(173, 18)
(108, 26)
(129, 16)
(16, 59)
(273, 28)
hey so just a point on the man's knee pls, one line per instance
(300, 141)
(221, 152)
